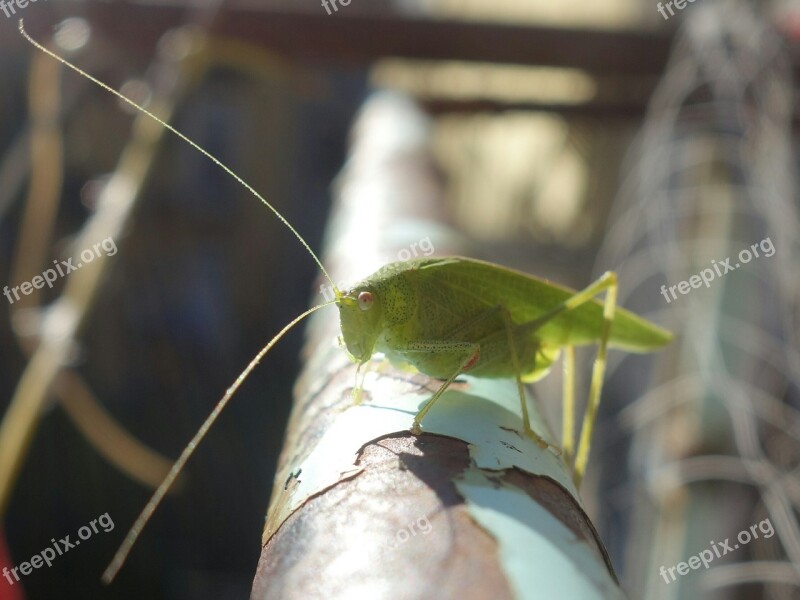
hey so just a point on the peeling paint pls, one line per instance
(527, 534)
(459, 414)
(540, 555)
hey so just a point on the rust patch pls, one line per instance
(368, 533)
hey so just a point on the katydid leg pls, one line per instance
(568, 405)
(469, 351)
(606, 282)
(466, 351)
(512, 346)
(358, 386)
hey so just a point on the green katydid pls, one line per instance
(448, 316)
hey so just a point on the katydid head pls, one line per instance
(361, 318)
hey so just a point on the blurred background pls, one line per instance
(570, 138)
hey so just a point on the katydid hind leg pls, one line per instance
(568, 405)
(607, 282)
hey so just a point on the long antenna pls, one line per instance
(193, 144)
(130, 539)
(119, 558)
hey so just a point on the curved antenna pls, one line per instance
(193, 144)
(147, 512)
(130, 539)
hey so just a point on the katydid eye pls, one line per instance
(365, 300)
